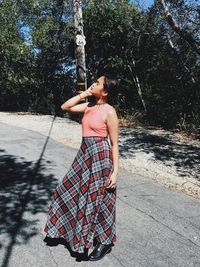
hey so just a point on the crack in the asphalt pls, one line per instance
(130, 186)
(50, 251)
(118, 260)
(53, 257)
(130, 205)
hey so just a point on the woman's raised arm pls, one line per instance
(71, 104)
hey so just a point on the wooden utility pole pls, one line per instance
(80, 47)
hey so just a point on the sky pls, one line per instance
(147, 3)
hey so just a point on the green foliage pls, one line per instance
(35, 74)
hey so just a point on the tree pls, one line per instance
(183, 32)
(46, 69)
(158, 68)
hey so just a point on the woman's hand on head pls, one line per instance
(87, 92)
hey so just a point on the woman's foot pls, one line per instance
(100, 251)
(83, 256)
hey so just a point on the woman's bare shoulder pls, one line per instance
(111, 114)
(111, 110)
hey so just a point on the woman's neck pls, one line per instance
(100, 101)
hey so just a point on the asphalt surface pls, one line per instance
(156, 226)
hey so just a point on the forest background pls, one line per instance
(154, 52)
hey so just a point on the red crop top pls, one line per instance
(92, 121)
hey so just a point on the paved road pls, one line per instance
(156, 226)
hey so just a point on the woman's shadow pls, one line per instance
(52, 242)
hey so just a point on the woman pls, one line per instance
(83, 207)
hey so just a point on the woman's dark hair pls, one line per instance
(110, 86)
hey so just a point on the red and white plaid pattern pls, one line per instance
(81, 207)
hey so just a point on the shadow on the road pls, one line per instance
(24, 188)
(184, 157)
(52, 242)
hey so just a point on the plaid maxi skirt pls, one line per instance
(82, 208)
